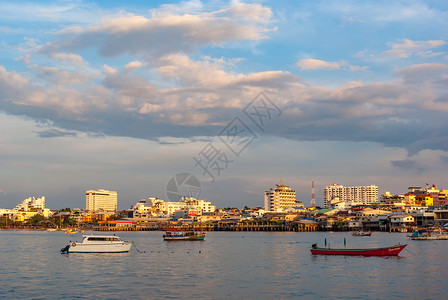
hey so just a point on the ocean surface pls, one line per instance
(227, 265)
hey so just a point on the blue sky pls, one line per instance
(101, 94)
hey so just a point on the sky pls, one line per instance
(241, 95)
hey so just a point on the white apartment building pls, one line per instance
(280, 198)
(101, 200)
(31, 204)
(350, 195)
(155, 206)
(29, 208)
(202, 205)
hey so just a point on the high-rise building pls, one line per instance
(31, 204)
(353, 194)
(280, 198)
(101, 200)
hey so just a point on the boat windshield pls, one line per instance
(103, 238)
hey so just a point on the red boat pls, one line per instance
(386, 251)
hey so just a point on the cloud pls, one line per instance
(161, 85)
(406, 48)
(419, 73)
(133, 65)
(52, 133)
(165, 31)
(407, 113)
(68, 58)
(407, 165)
(316, 64)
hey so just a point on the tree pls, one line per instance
(36, 219)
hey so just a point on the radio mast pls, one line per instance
(313, 195)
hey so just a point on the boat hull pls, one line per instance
(362, 234)
(198, 237)
(100, 248)
(429, 238)
(387, 251)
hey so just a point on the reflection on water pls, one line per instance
(260, 265)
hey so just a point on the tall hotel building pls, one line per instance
(101, 200)
(353, 194)
(282, 197)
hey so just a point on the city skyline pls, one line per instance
(124, 97)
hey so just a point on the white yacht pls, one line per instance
(98, 244)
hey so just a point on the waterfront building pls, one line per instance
(201, 205)
(440, 198)
(402, 220)
(409, 199)
(388, 198)
(424, 199)
(417, 190)
(280, 198)
(147, 208)
(101, 200)
(30, 207)
(31, 204)
(153, 207)
(353, 195)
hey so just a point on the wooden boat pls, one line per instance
(175, 234)
(361, 233)
(385, 251)
(429, 235)
(98, 244)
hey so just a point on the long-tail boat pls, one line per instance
(175, 234)
(384, 251)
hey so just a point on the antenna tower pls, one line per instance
(313, 195)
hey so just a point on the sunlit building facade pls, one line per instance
(351, 195)
(101, 200)
(280, 198)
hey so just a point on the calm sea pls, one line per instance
(227, 265)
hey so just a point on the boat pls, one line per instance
(52, 229)
(361, 233)
(71, 231)
(98, 244)
(175, 234)
(429, 235)
(384, 251)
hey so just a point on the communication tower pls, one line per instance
(313, 195)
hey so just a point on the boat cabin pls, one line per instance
(96, 239)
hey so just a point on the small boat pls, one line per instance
(361, 233)
(52, 229)
(98, 244)
(71, 231)
(429, 235)
(385, 251)
(175, 234)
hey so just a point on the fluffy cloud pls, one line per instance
(165, 90)
(406, 48)
(165, 31)
(316, 64)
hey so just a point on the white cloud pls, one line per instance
(109, 70)
(133, 65)
(68, 58)
(406, 48)
(182, 32)
(317, 64)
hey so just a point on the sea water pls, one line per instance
(226, 265)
